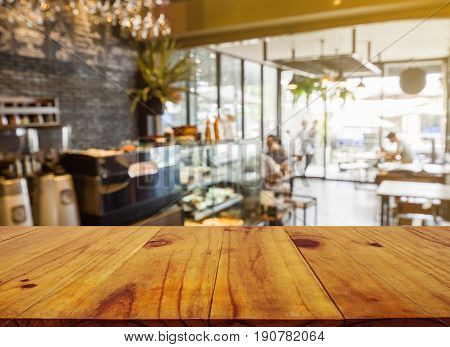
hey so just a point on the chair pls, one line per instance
(300, 201)
(303, 202)
(417, 212)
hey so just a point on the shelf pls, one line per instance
(27, 126)
(199, 215)
(208, 182)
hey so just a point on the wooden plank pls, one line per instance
(135, 276)
(11, 232)
(423, 257)
(17, 251)
(29, 110)
(442, 232)
(170, 280)
(377, 277)
(263, 280)
(59, 258)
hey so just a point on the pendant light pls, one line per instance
(361, 85)
(292, 83)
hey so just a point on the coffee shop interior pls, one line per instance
(227, 113)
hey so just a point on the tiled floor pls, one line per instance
(340, 203)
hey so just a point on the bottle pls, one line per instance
(217, 129)
(18, 168)
(208, 135)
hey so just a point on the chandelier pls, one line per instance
(142, 19)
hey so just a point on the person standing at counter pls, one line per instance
(311, 144)
(403, 151)
(304, 144)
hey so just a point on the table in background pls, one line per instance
(394, 171)
(399, 189)
(178, 276)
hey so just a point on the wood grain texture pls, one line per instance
(49, 260)
(7, 233)
(152, 276)
(170, 280)
(380, 274)
(262, 279)
(441, 233)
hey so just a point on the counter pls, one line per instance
(250, 276)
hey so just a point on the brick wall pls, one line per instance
(87, 67)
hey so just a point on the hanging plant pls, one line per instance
(344, 93)
(305, 86)
(308, 86)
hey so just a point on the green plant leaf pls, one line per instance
(160, 73)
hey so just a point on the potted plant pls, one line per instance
(159, 81)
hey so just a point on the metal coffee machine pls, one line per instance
(15, 206)
(29, 167)
(119, 188)
(54, 200)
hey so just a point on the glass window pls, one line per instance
(293, 113)
(353, 130)
(269, 100)
(203, 91)
(419, 120)
(231, 92)
(252, 100)
(175, 114)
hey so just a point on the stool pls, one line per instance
(303, 202)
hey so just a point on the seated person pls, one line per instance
(403, 151)
(274, 169)
(275, 151)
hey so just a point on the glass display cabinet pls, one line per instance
(221, 183)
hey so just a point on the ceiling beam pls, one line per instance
(200, 22)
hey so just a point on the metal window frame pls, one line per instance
(190, 118)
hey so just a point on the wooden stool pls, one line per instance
(303, 203)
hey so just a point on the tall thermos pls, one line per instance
(45, 204)
(15, 206)
(67, 201)
(54, 201)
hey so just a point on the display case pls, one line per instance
(221, 183)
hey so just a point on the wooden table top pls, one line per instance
(414, 190)
(159, 276)
(435, 169)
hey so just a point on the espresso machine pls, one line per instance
(53, 195)
(15, 208)
(15, 205)
(34, 188)
(114, 187)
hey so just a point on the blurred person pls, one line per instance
(275, 166)
(311, 146)
(274, 175)
(403, 151)
(275, 150)
(304, 144)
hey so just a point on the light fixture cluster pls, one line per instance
(142, 19)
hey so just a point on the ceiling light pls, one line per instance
(293, 83)
(135, 18)
(361, 85)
